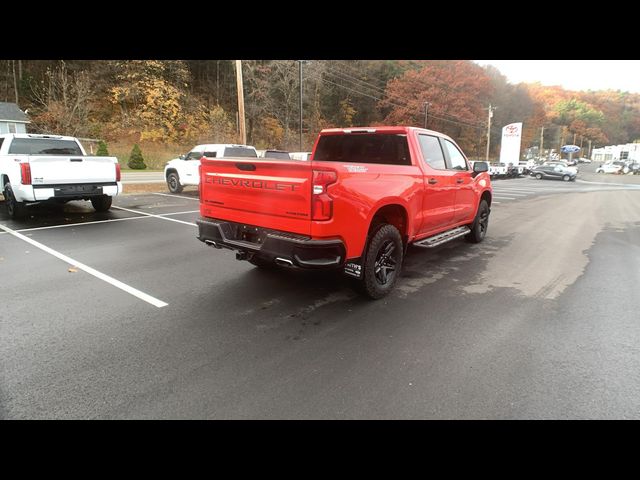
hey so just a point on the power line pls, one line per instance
(358, 92)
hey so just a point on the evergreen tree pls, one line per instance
(136, 162)
(102, 149)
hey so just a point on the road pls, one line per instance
(142, 177)
(539, 321)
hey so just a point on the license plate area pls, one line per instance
(74, 190)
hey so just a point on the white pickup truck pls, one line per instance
(39, 168)
(184, 170)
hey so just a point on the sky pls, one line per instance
(573, 74)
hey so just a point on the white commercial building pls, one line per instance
(611, 153)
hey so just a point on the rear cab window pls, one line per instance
(379, 148)
(44, 146)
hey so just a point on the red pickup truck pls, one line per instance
(365, 195)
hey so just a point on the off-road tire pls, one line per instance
(480, 224)
(382, 262)
(102, 204)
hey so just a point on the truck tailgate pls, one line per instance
(56, 169)
(265, 193)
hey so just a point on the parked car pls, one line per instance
(558, 172)
(279, 154)
(562, 164)
(300, 156)
(184, 170)
(612, 167)
(631, 167)
(583, 160)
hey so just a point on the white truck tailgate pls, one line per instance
(53, 170)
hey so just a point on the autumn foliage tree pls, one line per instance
(457, 92)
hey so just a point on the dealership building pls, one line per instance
(611, 153)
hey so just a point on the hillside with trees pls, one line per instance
(167, 106)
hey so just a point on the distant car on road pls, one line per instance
(558, 172)
(583, 160)
(279, 154)
(613, 167)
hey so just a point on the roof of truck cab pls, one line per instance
(382, 129)
(36, 135)
(213, 146)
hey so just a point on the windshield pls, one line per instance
(44, 146)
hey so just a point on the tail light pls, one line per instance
(322, 203)
(200, 182)
(25, 172)
(117, 172)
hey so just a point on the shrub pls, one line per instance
(136, 162)
(102, 149)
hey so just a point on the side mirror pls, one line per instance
(182, 157)
(479, 167)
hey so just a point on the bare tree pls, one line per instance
(62, 101)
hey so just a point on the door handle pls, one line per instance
(433, 181)
(459, 180)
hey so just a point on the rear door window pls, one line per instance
(432, 151)
(381, 148)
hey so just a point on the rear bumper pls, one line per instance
(271, 245)
(41, 193)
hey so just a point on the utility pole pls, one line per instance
(589, 149)
(241, 124)
(426, 113)
(541, 141)
(489, 131)
(15, 80)
(575, 135)
(300, 72)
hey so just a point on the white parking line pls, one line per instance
(525, 190)
(116, 283)
(177, 196)
(155, 216)
(511, 193)
(504, 198)
(178, 213)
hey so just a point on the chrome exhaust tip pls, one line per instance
(283, 262)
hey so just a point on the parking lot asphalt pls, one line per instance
(536, 322)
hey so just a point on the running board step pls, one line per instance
(443, 237)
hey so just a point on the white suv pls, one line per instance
(184, 170)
